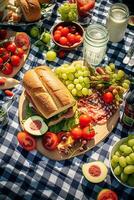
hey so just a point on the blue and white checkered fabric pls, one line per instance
(30, 176)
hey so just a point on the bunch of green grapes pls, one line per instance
(68, 12)
(123, 162)
(76, 78)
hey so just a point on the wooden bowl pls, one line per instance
(79, 29)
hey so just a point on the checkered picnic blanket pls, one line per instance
(31, 176)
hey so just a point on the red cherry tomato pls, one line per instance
(64, 31)
(3, 34)
(85, 120)
(19, 52)
(1, 61)
(5, 45)
(76, 133)
(27, 141)
(57, 37)
(15, 60)
(7, 69)
(50, 141)
(108, 97)
(57, 32)
(11, 48)
(6, 57)
(78, 38)
(59, 28)
(88, 133)
(71, 38)
(63, 41)
(2, 51)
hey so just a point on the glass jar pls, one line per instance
(95, 44)
(117, 21)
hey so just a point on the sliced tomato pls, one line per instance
(76, 133)
(88, 133)
(26, 141)
(107, 194)
(50, 141)
(85, 120)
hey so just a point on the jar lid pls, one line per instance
(97, 33)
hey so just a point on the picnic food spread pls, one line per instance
(66, 109)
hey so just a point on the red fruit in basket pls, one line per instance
(50, 141)
(108, 97)
(64, 31)
(78, 38)
(72, 29)
(7, 69)
(63, 41)
(3, 34)
(26, 141)
(59, 28)
(71, 38)
(19, 52)
(57, 32)
(1, 61)
(6, 57)
(85, 120)
(76, 133)
(11, 48)
(15, 60)
(9, 93)
(57, 37)
(22, 40)
(107, 194)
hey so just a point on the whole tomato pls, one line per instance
(85, 120)
(11, 47)
(6, 57)
(50, 141)
(76, 133)
(15, 60)
(7, 69)
(64, 31)
(88, 133)
(108, 97)
(19, 52)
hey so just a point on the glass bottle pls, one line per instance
(117, 21)
(95, 44)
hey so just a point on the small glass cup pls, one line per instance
(3, 116)
(83, 7)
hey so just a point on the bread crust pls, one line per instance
(47, 92)
(31, 10)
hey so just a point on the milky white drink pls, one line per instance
(117, 22)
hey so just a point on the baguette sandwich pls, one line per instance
(48, 95)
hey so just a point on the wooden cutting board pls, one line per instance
(102, 131)
(11, 35)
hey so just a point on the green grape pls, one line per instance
(130, 180)
(78, 66)
(83, 85)
(79, 93)
(72, 16)
(118, 170)
(90, 92)
(129, 169)
(84, 68)
(112, 66)
(80, 73)
(58, 70)
(65, 65)
(118, 153)
(64, 76)
(71, 77)
(76, 81)
(86, 73)
(65, 70)
(72, 69)
(78, 86)
(125, 85)
(128, 150)
(74, 92)
(124, 177)
(115, 158)
(120, 73)
(122, 161)
(51, 55)
(68, 82)
(129, 160)
(131, 156)
(133, 148)
(80, 79)
(114, 164)
(114, 76)
(127, 81)
(86, 80)
(123, 147)
(85, 91)
(70, 86)
(76, 75)
(131, 142)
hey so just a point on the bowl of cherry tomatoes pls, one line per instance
(67, 35)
